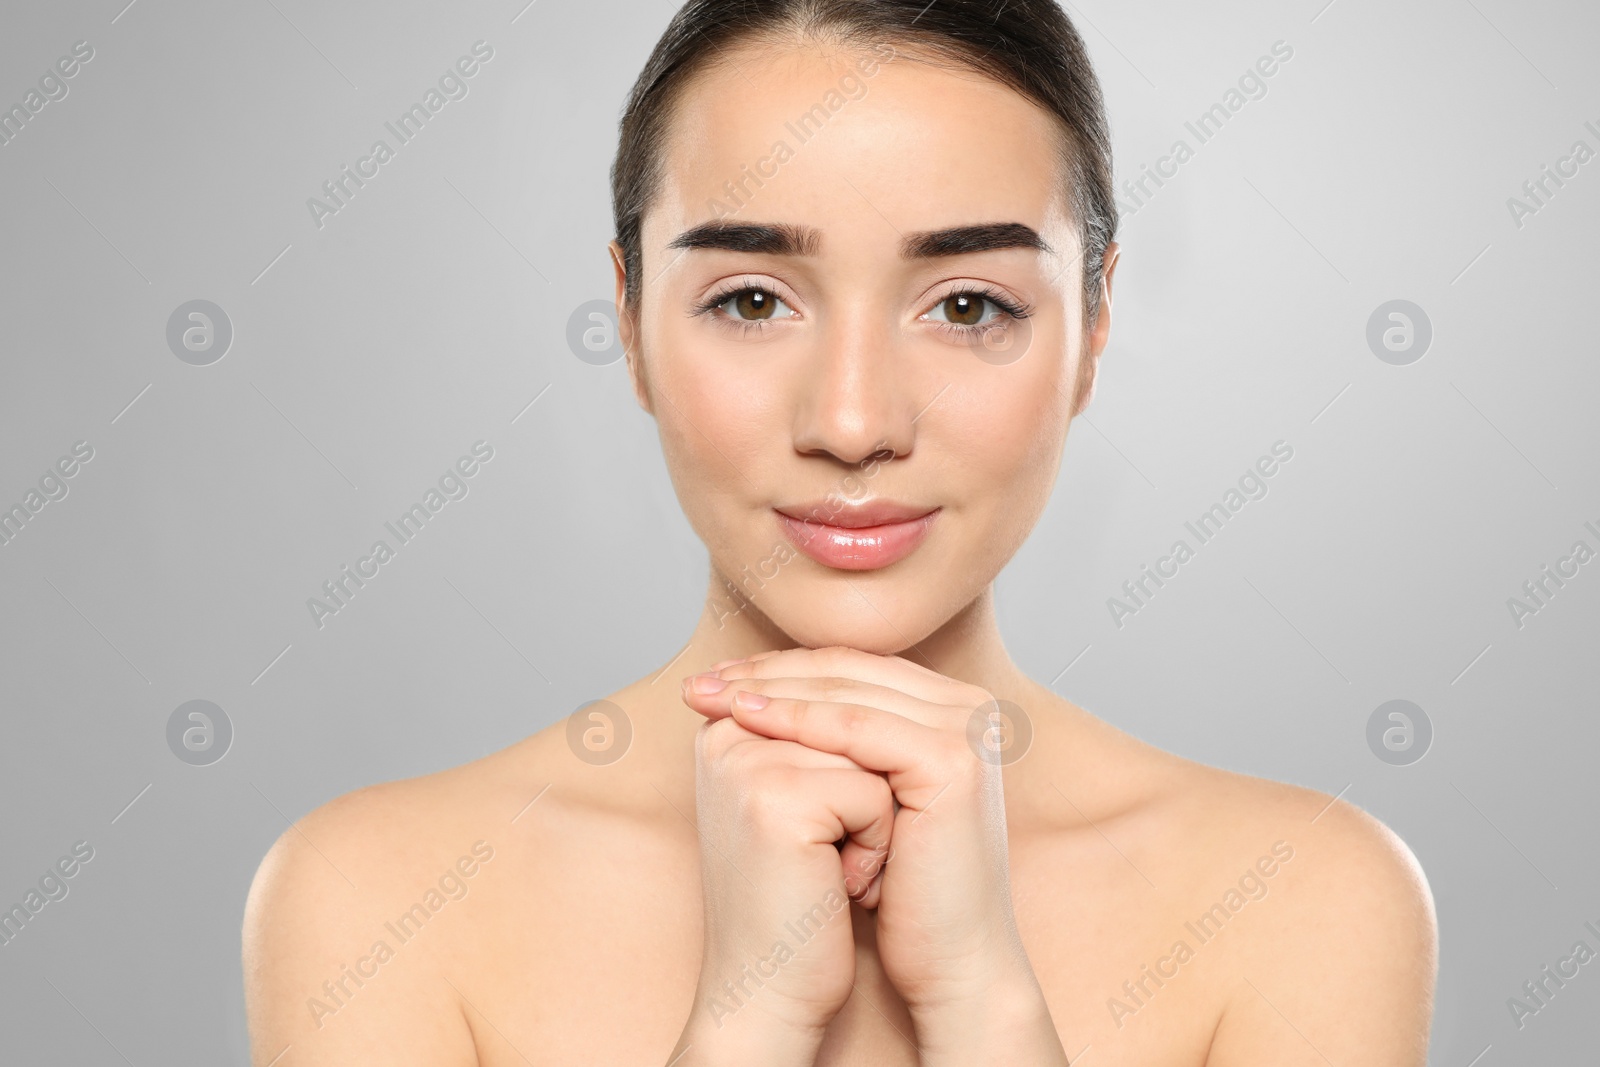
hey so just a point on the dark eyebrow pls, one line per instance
(783, 239)
(960, 240)
(773, 239)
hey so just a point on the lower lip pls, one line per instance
(863, 549)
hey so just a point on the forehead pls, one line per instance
(857, 143)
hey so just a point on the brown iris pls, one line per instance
(964, 309)
(754, 304)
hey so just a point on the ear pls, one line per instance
(627, 331)
(1101, 333)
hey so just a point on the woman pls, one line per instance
(864, 272)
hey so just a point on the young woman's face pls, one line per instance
(834, 320)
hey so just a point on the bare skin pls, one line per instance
(579, 936)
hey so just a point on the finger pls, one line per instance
(862, 865)
(874, 893)
(793, 754)
(838, 690)
(920, 761)
(780, 753)
(893, 672)
(864, 806)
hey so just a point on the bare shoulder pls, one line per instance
(1226, 806)
(1338, 957)
(361, 910)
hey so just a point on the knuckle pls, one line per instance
(854, 717)
(839, 689)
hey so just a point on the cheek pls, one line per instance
(716, 434)
(1007, 443)
(1017, 417)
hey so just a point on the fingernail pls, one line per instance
(706, 683)
(725, 663)
(749, 701)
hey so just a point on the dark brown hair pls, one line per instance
(1028, 45)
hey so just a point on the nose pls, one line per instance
(856, 400)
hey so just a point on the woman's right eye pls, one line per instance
(752, 305)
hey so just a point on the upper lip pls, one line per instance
(854, 515)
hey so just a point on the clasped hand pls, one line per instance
(798, 746)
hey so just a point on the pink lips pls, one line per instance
(858, 538)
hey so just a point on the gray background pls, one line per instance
(370, 353)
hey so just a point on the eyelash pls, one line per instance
(1012, 308)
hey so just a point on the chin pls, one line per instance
(880, 640)
(883, 623)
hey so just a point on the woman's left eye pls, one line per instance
(968, 309)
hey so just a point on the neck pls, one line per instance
(966, 647)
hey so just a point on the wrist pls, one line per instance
(714, 1035)
(1006, 1023)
